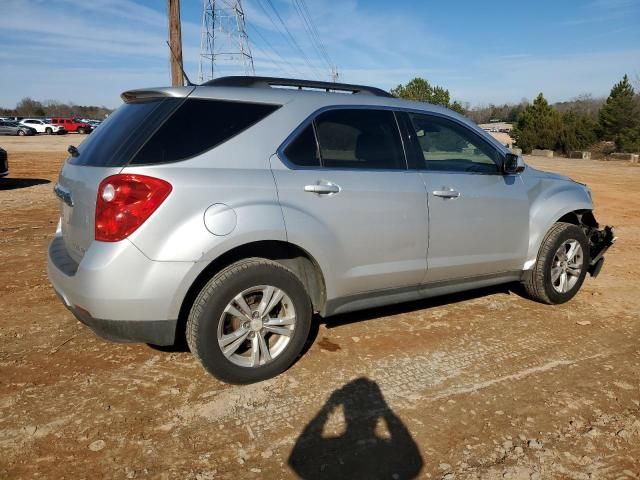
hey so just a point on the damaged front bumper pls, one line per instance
(599, 243)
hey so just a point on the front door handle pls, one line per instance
(324, 189)
(446, 193)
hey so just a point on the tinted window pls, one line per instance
(448, 146)
(122, 133)
(303, 150)
(359, 138)
(200, 125)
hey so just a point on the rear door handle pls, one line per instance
(322, 189)
(446, 193)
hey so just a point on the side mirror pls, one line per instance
(513, 164)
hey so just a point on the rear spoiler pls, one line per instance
(146, 94)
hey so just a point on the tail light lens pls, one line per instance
(126, 201)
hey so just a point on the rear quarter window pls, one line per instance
(123, 133)
(199, 125)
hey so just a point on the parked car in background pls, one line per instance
(4, 163)
(8, 127)
(94, 123)
(231, 212)
(72, 124)
(42, 126)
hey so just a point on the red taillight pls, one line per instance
(124, 202)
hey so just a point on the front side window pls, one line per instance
(448, 146)
(359, 138)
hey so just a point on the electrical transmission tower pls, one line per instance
(224, 39)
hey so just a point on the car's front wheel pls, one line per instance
(22, 133)
(561, 266)
(48, 130)
(250, 321)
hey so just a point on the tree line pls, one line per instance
(565, 126)
(28, 107)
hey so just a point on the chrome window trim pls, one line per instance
(311, 120)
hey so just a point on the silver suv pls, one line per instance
(233, 211)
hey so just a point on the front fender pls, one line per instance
(550, 200)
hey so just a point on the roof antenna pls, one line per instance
(189, 83)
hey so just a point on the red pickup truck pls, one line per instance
(72, 124)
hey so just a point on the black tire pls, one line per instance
(208, 308)
(22, 133)
(538, 283)
(48, 131)
(81, 130)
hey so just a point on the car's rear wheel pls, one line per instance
(250, 321)
(561, 266)
(48, 131)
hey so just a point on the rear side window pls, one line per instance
(359, 138)
(303, 150)
(197, 126)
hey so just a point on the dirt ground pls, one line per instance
(481, 385)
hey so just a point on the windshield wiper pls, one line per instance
(73, 151)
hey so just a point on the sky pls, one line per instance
(88, 52)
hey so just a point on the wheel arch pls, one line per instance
(295, 258)
(553, 200)
(580, 216)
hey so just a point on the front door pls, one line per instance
(478, 217)
(349, 199)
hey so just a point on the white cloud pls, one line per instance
(91, 51)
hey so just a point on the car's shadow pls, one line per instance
(369, 314)
(16, 183)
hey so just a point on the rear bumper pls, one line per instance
(118, 292)
(156, 332)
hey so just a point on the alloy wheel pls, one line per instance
(256, 326)
(567, 266)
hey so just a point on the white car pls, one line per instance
(42, 126)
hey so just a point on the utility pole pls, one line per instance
(175, 43)
(223, 39)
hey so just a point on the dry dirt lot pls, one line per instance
(481, 385)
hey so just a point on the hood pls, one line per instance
(534, 172)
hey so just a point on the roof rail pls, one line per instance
(265, 82)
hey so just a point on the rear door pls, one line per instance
(478, 217)
(348, 198)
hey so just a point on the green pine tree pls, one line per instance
(538, 126)
(420, 90)
(619, 117)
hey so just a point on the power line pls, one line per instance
(270, 47)
(312, 31)
(287, 35)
